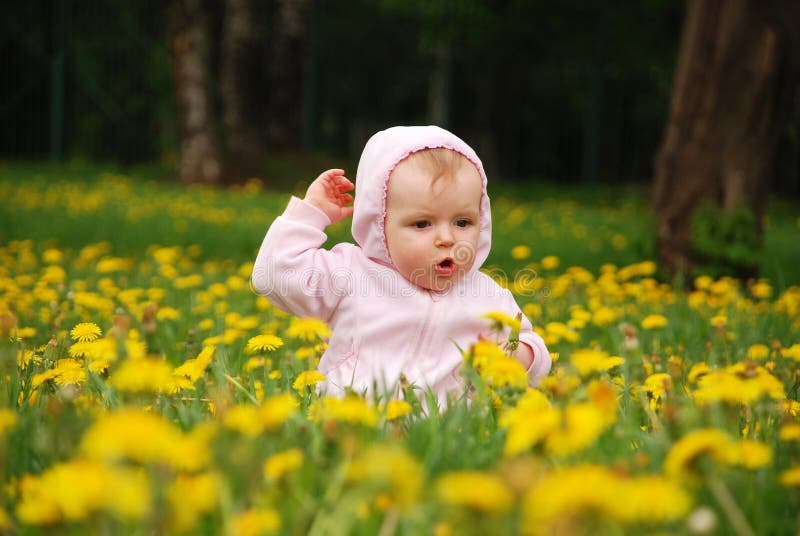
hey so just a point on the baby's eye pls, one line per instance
(420, 224)
(463, 222)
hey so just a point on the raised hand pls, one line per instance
(328, 193)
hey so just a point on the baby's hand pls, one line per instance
(328, 193)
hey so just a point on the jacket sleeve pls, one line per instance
(541, 356)
(292, 270)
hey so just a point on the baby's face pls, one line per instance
(432, 230)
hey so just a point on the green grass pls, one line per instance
(583, 225)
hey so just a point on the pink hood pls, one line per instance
(382, 153)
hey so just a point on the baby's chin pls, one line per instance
(438, 282)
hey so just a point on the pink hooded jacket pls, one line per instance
(383, 325)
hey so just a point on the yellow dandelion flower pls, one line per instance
(74, 490)
(758, 352)
(85, 332)
(697, 371)
(790, 477)
(654, 322)
(255, 522)
(583, 422)
(8, 420)
(719, 321)
(762, 290)
(350, 409)
(390, 467)
(588, 361)
(243, 418)
(307, 378)
(477, 490)
(191, 496)
(703, 282)
(261, 343)
(550, 262)
(658, 385)
(281, 463)
(167, 313)
(752, 454)
(151, 375)
(788, 432)
(482, 353)
(790, 407)
(520, 252)
(505, 372)
(69, 372)
(276, 410)
(396, 409)
(500, 320)
(195, 368)
(308, 329)
(708, 441)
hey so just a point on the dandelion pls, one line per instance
(790, 477)
(350, 409)
(505, 372)
(255, 522)
(396, 409)
(477, 490)
(501, 320)
(788, 432)
(85, 332)
(308, 329)
(8, 420)
(149, 375)
(588, 361)
(74, 490)
(191, 496)
(550, 262)
(393, 470)
(715, 443)
(758, 352)
(278, 465)
(520, 252)
(261, 343)
(654, 322)
(307, 378)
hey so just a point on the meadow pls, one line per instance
(147, 389)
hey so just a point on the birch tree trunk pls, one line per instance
(734, 78)
(199, 159)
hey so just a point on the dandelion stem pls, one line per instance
(235, 382)
(728, 503)
(389, 525)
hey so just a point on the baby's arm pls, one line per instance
(291, 268)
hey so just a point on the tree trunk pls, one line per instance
(286, 73)
(239, 43)
(439, 85)
(735, 74)
(199, 160)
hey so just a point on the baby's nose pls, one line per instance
(444, 237)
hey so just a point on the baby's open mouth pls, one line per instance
(446, 267)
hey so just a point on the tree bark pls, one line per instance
(734, 78)
(239, 44)
(199, 159)
(286, 73)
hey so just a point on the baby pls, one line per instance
(411, 296)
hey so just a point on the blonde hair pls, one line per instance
(440, 162)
